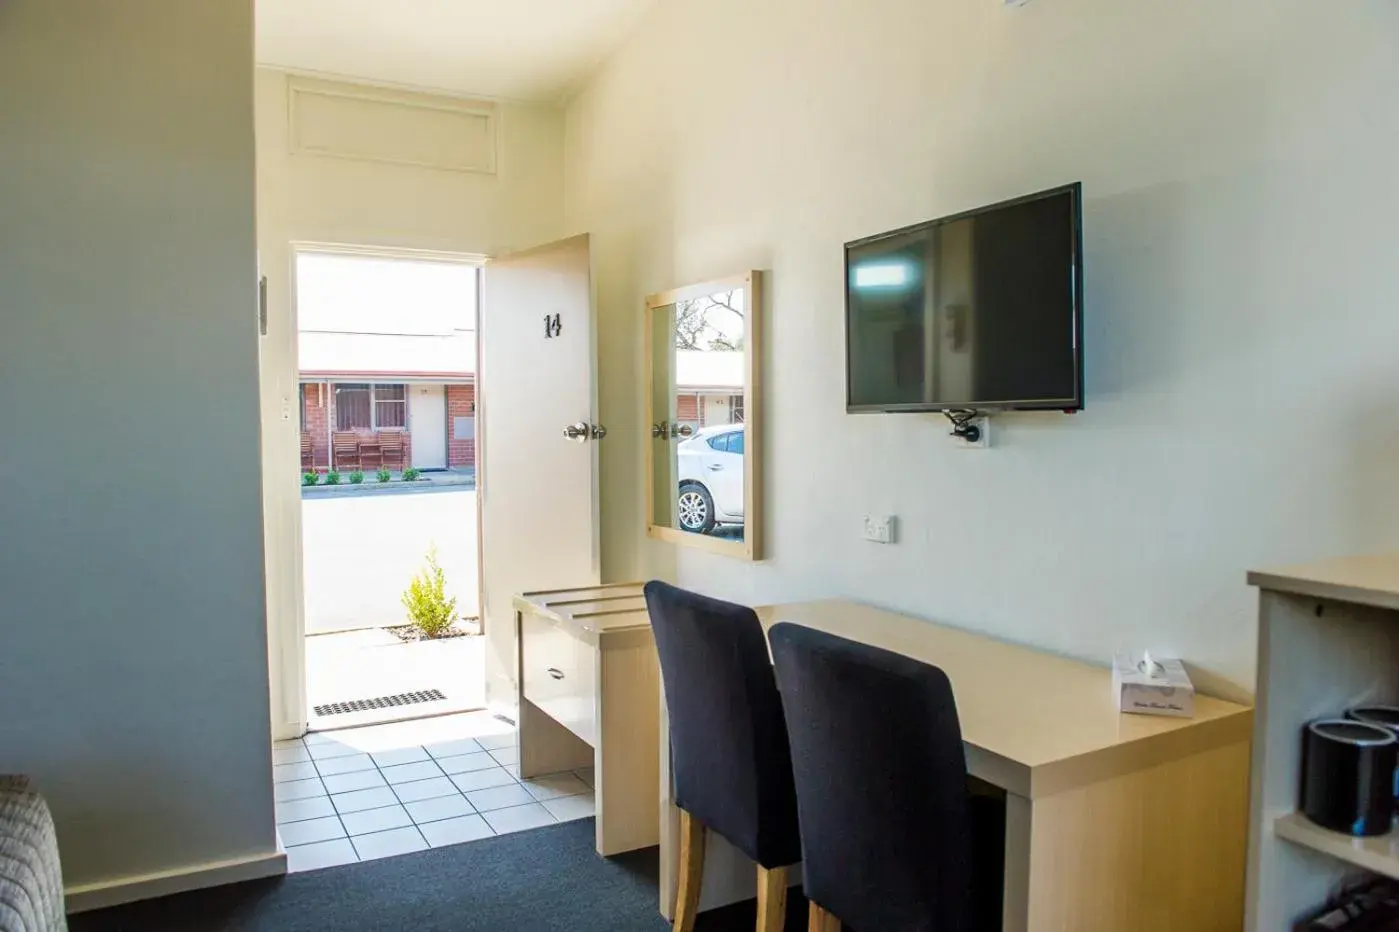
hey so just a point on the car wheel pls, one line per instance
(695, 509)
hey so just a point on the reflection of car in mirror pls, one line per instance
(711, 479)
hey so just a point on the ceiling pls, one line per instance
(517, 49)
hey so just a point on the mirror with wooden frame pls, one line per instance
(704, 416)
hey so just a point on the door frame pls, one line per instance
(282, 530)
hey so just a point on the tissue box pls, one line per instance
(1170, 692)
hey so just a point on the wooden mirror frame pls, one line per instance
(751, 547)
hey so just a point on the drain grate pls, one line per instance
(380, 702)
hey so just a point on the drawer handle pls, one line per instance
(555, 672)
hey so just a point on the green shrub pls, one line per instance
(412, 474)
(429, 609)
(332, 478)
(383, 475)
(356, 477)
(309, 478)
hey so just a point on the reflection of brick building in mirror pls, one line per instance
(709, 387)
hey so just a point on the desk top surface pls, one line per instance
(1033, 722)
(1042, 718)
(1367, 580)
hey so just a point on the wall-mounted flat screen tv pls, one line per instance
(982, 310)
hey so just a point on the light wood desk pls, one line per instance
(1113, 822)
(588, 687)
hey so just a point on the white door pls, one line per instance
(538, 487)
(716, 410)
(427, 419)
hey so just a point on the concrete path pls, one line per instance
(373, 663)
(360, 552)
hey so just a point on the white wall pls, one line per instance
(133, 676)
(310, 198)
(1242, 219)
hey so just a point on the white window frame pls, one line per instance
(374, 400)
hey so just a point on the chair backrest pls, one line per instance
(881, 780)
(390, 440)
(343, 442)
(305, 443)
(729, 754)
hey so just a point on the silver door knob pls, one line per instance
(680, 430)
(582, 432)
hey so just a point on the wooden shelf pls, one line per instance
(1377, 853)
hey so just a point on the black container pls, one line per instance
(1386, 716)
(1348, 775)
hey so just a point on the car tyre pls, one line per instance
(695, 508)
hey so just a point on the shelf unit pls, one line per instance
(1328, 639)
(1377, 853)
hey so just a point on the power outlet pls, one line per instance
(881, 529)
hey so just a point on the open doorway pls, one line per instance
(387, 372)
(427, 777)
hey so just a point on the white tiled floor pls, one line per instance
(366, 793)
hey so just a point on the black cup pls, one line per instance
(1386, 716)
(1348, 775)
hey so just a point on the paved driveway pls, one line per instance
(360, 551)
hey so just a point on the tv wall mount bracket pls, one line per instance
(964, 424)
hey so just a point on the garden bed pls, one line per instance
(409, 634)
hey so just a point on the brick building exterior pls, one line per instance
(461, 403)
(701, 409)
(318, 421)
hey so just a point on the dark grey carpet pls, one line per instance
(545, 880)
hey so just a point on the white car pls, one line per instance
(710, 468)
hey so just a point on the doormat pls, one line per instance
(380, 702)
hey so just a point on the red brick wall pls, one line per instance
(461, 402)
(315, 398)
(687, 409)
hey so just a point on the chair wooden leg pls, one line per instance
(819, 920)
(772, 898)
(691, 872)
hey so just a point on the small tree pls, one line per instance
(429, 609)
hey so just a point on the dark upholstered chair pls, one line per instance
(881, 782)
(729, 756)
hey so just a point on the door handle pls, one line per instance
(582, 432)
(715, 467)
(555, 672)
(663, 430)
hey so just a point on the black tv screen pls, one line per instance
(982, 310)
